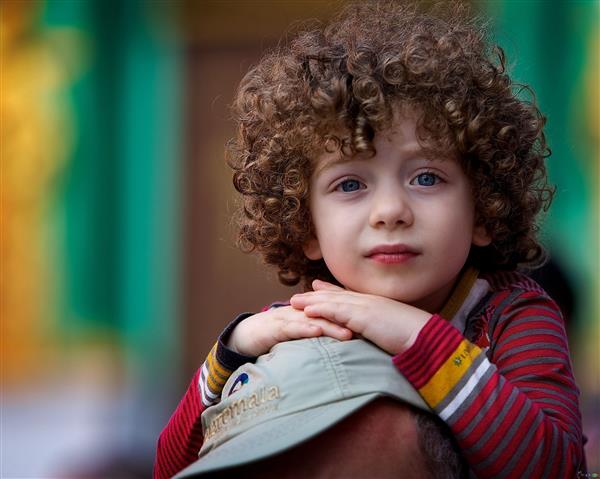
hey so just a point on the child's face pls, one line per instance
(398, 224)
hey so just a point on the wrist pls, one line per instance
(229, 341)
(420, 320)
(242, 339)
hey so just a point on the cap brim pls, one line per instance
(275, 436)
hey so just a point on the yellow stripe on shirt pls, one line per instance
(450, 373)
(459, 293)
(216, 366)
(217, 374)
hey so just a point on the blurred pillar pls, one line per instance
(149, 222)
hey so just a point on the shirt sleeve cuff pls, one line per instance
(227, 357)
(436, 341)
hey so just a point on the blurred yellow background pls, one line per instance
(118, 265)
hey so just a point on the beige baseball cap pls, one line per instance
(293, 393)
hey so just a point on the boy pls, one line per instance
(386, 162)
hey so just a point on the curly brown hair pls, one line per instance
(348, 76)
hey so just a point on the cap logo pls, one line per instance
(242, 409)
(238, 383)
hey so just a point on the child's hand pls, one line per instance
(258, 333)
(390, 324)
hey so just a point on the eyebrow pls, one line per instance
(410, 153)
(322, 166)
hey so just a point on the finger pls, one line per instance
(288, 330)
(333, 330)
(341, 313)
(328, 328)
(319, 285)
(327, 310)
(300, 301)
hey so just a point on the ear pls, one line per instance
(480, 236)
(312, 250)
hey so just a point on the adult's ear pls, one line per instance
(312, 249)
(480, 236)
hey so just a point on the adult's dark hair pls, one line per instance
(439, 454)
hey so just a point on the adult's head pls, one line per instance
(311, 403)
(386, 439)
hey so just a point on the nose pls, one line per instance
(390, 208)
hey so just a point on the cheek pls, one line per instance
(338, 253)
(335, 246)
(334, 224)
(453, 224)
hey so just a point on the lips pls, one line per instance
(392, 253)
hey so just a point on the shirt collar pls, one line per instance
(467, 293)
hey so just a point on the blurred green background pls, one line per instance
(118, 264)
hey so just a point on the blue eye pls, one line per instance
(348, 186)
(427, 179)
